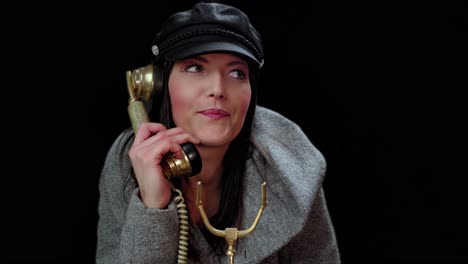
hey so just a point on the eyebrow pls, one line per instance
(231, 63)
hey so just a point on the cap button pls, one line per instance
(262, 63)
(155, 50)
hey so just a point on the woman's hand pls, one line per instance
(152, 142)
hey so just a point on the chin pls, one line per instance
(216, 136)
(215, 140)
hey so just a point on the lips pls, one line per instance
(214, 113)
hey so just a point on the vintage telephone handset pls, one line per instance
(140, 83)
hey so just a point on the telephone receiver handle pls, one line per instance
(189, 165)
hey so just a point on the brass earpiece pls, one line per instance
(142, 80)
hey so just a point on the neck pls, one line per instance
(212, 168)
(210, 177)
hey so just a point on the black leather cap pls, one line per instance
(208, 28)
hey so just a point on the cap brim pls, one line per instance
(213, 47)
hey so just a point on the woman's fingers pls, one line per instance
(166, 133)
(147, 130)
(152, 143)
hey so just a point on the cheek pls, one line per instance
(245, 101)
(179, 99)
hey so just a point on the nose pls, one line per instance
(216, 89)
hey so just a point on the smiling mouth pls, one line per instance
(215, 113)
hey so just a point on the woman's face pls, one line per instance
(210, 96)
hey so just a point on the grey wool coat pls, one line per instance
(295, 226)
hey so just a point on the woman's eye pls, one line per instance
(194, 68)
(238, 74)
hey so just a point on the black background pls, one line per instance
(377, 88)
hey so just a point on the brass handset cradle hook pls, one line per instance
(231, 234)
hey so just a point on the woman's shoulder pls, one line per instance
(283, 142)
(119, 147)
(268, 117)
(122, 141)
(270, 125)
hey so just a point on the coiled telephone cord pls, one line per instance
(182, 255)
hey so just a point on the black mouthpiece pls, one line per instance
(194, 157)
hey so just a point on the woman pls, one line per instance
(207, 60)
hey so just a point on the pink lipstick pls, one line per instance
(214, 113)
